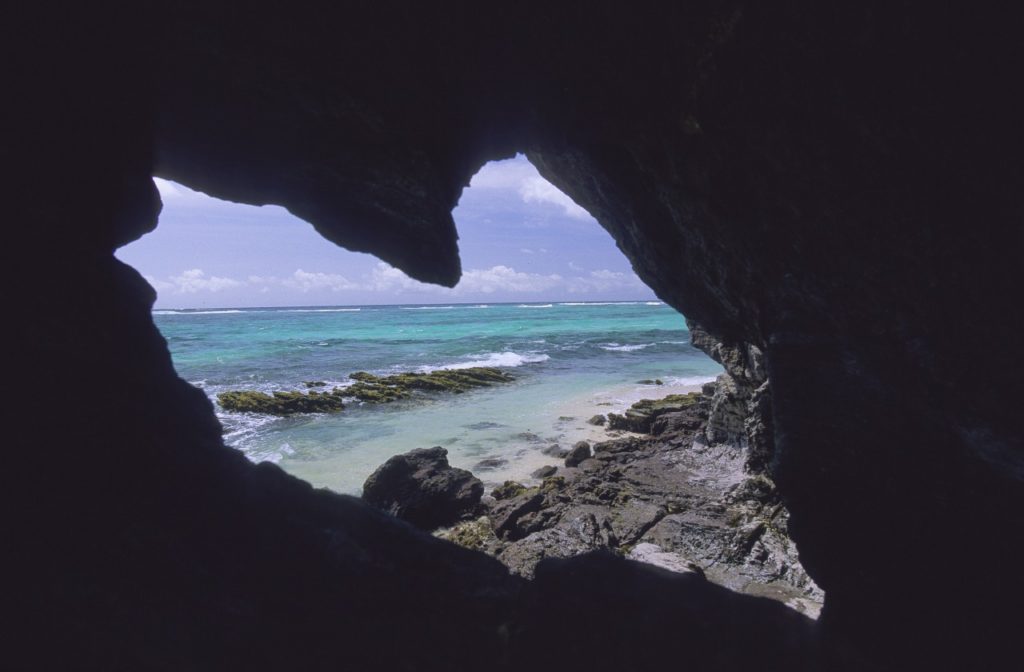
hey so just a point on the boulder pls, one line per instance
(545, 471)
(555, 450)
(597, 420)
(507, 490)
(422, 488)
(490, 463)
(579, 452)
(641, 415)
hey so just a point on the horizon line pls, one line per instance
(441, 303)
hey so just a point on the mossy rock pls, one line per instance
(641, 415)
(280, 403)
(383, 389)
(508, 490)
(367, 388)
(475, 535)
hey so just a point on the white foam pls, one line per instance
(506, 359)
(615, 347)
(321, 310)
(689, 380)
(529, 305)
(600, 303)
(427, 308)
(653, 303)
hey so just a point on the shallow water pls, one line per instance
(570, 360)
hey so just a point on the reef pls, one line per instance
(367, 388)
(832, 191)
(281, 403)
(382, 389)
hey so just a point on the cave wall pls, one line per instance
(836, 185)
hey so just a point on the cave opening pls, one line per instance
(251, 302)
(252, 299)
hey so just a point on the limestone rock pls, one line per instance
(641, 415)
(653, 554)
(423, 489)
(577, 536)
(507, 490)
(579, 452)
(476, 535)
(555, 450)
(544, 472)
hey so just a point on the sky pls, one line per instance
(520, 240)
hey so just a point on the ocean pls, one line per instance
(570, 361)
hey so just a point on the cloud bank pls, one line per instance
(385, 279)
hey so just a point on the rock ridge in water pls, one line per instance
(281, 403)
(367, 388)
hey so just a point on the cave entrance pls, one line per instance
(252, 299)
(254, 303)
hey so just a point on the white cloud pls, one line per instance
(158, 285)
(193, 281)
(520, 176)
(503, 174)
(538, 190)
(604, 280)
(505, 279)
(305, 281)
(386, 278)
(574, 266)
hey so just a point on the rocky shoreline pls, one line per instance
(677, 489)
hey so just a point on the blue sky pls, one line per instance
(520, 239)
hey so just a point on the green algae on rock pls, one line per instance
(367, 388)
(382, 389)
(640, 416)
(508, 489)
(281, 403)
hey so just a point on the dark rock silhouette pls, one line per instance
(835, 184)
(421, 488)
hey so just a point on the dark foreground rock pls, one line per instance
(421, 488)
(837, 184)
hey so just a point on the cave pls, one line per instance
(838, 186)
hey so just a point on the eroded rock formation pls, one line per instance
(835, 184)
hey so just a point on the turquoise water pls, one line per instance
(570, 360)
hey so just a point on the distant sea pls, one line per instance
(570, 362)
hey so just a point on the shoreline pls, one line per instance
(668, 496)
(571, 416)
